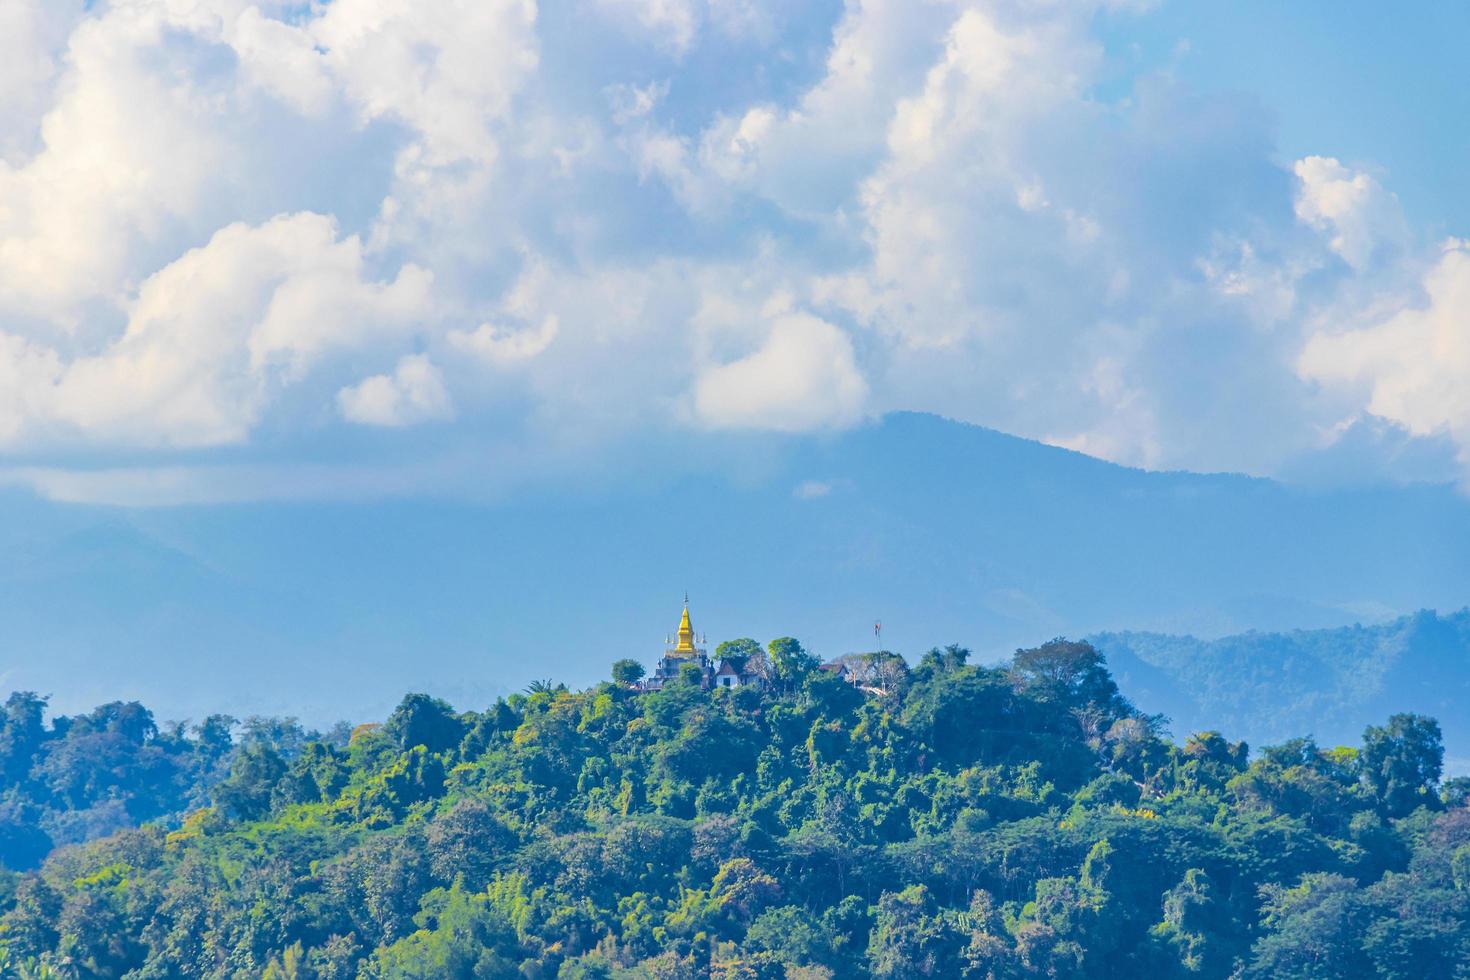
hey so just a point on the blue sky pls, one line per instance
(254, 249)
(1373, 83)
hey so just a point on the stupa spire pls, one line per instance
(686, 631)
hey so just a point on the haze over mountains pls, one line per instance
(946, 532)
(1329, 683)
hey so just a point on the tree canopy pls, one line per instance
(949, 820)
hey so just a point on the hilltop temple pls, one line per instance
(684, 649)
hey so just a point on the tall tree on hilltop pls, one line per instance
(1401, 763)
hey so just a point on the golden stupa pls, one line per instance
(685, 640)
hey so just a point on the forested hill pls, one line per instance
(1266, 687)
(1013, 822)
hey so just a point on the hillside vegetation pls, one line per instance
(955, 820)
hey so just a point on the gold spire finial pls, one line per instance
(686, 631)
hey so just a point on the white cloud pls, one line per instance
(212, 336)
(1265, 287)
(754, 19)
(27, 374)
(809, 156)
(957, 162)
(413, 393)
(283, 60)
(805, 376)
(503, 346)
(1350, 206)
(153, 131)
(629, 102)
(217, 216)
(129, 152)
(812, 490)
(1409, 367)
(32, 36)
(1125, 278)
(672, 23)
(174, 484)
(447, 69)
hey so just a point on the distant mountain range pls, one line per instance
(1328, 683)
(946, 532)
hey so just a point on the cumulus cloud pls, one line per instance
(809, 156)
(213, 335)
(413, 393)
(158, 112)
(671, 22)
(32, 37)
(448, 69)
(1074, 271)
(1410, 366)
(504, 346)
(629, 101)
(128, 153)
(227, 216)
(28, 373)
(1360, 217)
(958, 155)
(805, 376)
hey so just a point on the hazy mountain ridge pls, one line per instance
(1329, 682)
(944, 531)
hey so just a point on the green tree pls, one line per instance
(1070, 672)
(790, 661)
(460, 935)
(423, 720)
(1416, 929)
(215, 737)
(247, 793)
(792, 936)
(741, 890)
(469, 842)
(739, 652)
(939, 662)
(1455, 792)
(990, 952)
(963, 821)
(22, 730)
(96, 937)
(691, 675)
(1401, 763)
(1071, 927)
(912, 938)
(1313, 931)
(288, 966)
(627, 672)
(30, 925)
(1195, 930)
(23, 843)
(318, 774)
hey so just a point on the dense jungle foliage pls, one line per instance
(946, 820)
